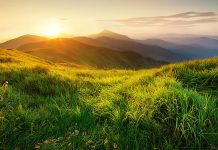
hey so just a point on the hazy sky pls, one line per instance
(132, 17)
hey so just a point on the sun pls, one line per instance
(53, 29)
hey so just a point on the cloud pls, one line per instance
(192, 14)
(182, 19)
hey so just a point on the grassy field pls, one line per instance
(48, 106)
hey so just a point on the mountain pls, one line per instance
(184, 36)
(206, 42)
(109, 40)
(63, 50)
(111, 34)
(189, 50)
(157, 42)
(154, 52)
(213, 37)
(15, 43)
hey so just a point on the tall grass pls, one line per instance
(47, 106)
(3, 90)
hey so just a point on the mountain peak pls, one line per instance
(110, 34)
(107, 31)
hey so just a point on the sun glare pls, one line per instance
(53, 29)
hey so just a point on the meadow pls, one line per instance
(49, 106)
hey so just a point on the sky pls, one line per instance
(135, 18)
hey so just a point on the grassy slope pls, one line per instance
(52, 107)
(68, 50)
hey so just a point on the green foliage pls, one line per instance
(48, 106)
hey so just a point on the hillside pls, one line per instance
(48, 106)
(17, 42)
(154, 52)
(64, 50)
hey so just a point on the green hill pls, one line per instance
(48, 106)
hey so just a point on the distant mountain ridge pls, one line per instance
(62, 50)
(116, 48)
(109, 40)
(154, 52)
(201, 41)
(190, 49)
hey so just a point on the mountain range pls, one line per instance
(63, 50)
(108, 49)
(191, 49)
